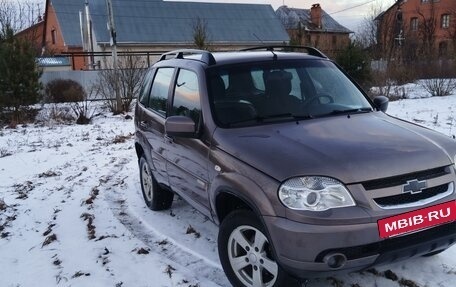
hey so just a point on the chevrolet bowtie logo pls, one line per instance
(414, 186)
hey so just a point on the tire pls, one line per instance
(242, 241)
(155, 197)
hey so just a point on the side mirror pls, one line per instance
(381, 103)
(180, 126)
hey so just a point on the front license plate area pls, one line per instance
(416, 220)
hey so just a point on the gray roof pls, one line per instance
(162, 22)
(291, 17)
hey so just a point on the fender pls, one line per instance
(245, 189)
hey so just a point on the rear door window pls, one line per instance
(158, 98)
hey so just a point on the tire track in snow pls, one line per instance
(150, 236)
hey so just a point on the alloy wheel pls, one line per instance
(250, 257)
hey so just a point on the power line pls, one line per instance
(352, 7)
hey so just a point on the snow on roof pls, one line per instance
(53, 61)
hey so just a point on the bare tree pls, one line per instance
(426, 30)
(18, 15)
(439, 87)
(200, 34)
(130, 72)
(368, 30)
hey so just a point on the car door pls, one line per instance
(152, 108)
(187, 157)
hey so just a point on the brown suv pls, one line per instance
(305, 175)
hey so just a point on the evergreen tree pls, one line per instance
(355, 61)
(19, 75)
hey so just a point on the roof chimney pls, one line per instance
(315, 15)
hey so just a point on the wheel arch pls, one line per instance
(234, 191)
(228, 201)
(139, 150)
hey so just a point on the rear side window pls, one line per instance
(160, 88)
(145, 88)
(186, 96)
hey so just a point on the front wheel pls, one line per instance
(156, 198)
(246, 254)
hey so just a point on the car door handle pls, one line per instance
(143, 124)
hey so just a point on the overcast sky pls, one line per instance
(349, 13)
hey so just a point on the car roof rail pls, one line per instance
(206, 56)
(310, 50)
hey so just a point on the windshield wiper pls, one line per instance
(269, 117)
(350, 111)
(284, 115)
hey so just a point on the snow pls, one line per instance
(72, 213)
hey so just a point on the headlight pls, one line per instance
(314, 193)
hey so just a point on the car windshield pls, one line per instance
(260, 93)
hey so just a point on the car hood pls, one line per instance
(352, 148)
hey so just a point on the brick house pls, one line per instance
(314, 27)
(33, 34)
(419, 26)
(154, 25)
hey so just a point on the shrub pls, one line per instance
(24, 115)
(84, 113)
(64, 90)
(126, 80)
(439, 87)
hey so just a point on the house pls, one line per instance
(418, 27)
(314, 27)
(33, 34)
(75, 26)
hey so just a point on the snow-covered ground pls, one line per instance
(72, 214)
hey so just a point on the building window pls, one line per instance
(53, 33)
(446, 21)
(414, 24)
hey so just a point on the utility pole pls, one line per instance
(112, 30)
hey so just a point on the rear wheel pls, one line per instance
(156, 198)
(246, 254)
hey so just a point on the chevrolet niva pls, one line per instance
(303, 173)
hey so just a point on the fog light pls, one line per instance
(335, 260)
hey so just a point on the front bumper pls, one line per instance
(301, 248)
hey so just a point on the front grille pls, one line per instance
(406, 198)
(402, 179)
(447, 231)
